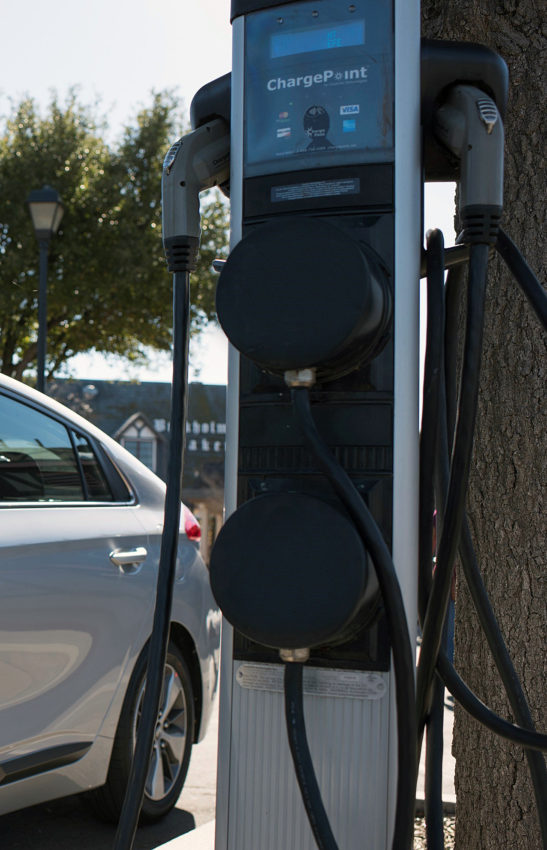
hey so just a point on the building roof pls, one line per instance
(108, 404)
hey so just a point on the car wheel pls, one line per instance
(171, 749)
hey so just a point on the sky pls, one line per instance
(117, 52)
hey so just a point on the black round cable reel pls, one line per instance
(289, 571)
(300, 293)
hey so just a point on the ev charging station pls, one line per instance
(322, 136)
(326, 181)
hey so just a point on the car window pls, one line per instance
(41, 460)
(37, 459)
(96, 483)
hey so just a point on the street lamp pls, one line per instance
(46, 210)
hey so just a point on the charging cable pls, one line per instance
(301, 756)
(403, 657)
(523, 733)
(523, 274)
(157, 650)
(195, 162)
(439, 417)
(457, 487)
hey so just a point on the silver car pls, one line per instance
(80, 531)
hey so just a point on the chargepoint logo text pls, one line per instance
(308, 80)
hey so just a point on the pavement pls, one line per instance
(199, 792)
(200, 787)
(202, 838)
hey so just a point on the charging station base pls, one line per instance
(265, 808)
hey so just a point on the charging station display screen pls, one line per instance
(308, 41)
(318, 86)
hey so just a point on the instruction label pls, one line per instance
(353, 684)
(316, 189)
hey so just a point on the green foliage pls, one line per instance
(108, 284)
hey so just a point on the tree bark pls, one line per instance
(496, 808)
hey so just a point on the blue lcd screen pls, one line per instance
(326, 38)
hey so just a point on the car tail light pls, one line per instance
(191, 525)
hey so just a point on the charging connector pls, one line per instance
(197, 161)
(470, 126)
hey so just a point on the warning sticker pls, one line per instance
(353, 684)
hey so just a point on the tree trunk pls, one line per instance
(496, 808)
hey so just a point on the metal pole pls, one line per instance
(42, 316)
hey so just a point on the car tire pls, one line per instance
(171, 750)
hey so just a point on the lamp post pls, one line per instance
(46, 210)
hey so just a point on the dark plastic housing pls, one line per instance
(243, 7)
(300, 293)
(443, 65)
(289, 571)
(213, 100)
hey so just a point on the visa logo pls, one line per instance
(350, 110)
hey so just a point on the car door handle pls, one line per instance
(126, 558)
